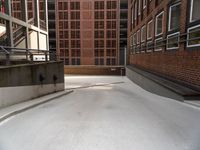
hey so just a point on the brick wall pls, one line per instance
(180, 65)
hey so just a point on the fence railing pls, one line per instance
(150, 45)
(10, 54)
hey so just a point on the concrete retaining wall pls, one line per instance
(24, 82)
(150, 85)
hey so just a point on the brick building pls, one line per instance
(88, 32)
(164, 38)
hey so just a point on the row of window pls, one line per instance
(109, 61)
(73, 25)
(101, 5)
(102, 44)
(74, 61)
(74, 43)
(97, 15)
(109, 53)
(98, 60)
(145, 35)
(109, 15)
(138, 6)
(109, 24)
(97, 5)
(74, 52)
(109, 34)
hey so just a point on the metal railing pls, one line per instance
(10, 54)
(183, 38)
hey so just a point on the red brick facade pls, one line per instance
(175, 51)
(88, 31)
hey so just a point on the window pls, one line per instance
(159, 23)
(135, 7)
(135, 39)
(173, 41)
(193, 36)
(158, 44)
(99, 5)
(144, 4)
(174, 17)
(139, 7)
(143, 34)
(150, 30)
(138, 37)
(111, 15)
(194, 10)
(132, 15)
(111, 5)
(134, 42)
(75, 5)
(99, 15)
(149, 46)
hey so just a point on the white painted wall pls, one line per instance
(14, 95)
(33, 40)
(2, 29)
(43, 42)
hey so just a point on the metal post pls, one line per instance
(7, 59)
(46, 57)
(10, 24)
(125, 57)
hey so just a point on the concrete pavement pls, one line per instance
(109, 117)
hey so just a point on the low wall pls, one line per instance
(183, 65)
(24, 82)
(95, 70)
(150, 85)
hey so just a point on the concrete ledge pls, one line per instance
(8, 112)
(95, 70)
(19, 83)
(160, 85)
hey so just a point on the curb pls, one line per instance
(32, 106)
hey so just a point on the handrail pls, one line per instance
(13, 53)
(163, 42)
(4, 50)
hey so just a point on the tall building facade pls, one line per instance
(123, 31)
(23, 24)
(164, 38)
(52, 25)
(88, 32)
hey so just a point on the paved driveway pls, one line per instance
(104, 113)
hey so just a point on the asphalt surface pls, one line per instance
(104, 113)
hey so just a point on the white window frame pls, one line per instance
(132, 17)
(138, 38)
(139, 7)
(142, 51)
(151, 21)
(162, 13)
(135, 7)
(144, 4)
(142, 30)
(155, 49)
(191, 10)
(147, 47)
(177, 33)
(170, 12)
(195, 45)
(134, 37)
(131, 40)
